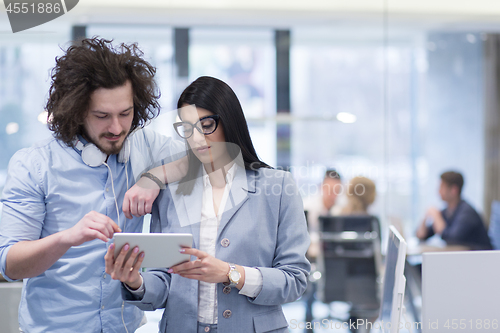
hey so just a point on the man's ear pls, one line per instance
(455, 190)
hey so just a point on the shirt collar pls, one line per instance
(82, 139)
(229, 175)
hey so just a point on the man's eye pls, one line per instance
(101, 117)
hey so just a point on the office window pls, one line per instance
(403, 145)
(450, 118)
(25, 63)
(244, 59)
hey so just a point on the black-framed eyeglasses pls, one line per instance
(206, 125)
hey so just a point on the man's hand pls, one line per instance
(126, 271)
(27, 259)
(92, 226)
(438, 222)
(139, 199)
(433, 213)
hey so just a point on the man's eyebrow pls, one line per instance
(103, 112)
(130, 108)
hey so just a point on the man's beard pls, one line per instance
(114, 150)
(115, 147)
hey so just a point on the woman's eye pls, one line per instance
(206, 123)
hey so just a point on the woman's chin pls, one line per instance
(204, 158)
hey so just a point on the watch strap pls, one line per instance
(232, 267)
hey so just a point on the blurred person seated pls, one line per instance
(458, 223)
(324, 204)
(361, 193)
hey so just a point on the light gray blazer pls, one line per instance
(264, 228)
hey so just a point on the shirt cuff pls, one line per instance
(253, 282)
(138, 293)
(3, 263)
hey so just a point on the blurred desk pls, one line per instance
(416, 247)
(413, 268)
(423, 247)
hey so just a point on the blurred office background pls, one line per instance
(395, 90)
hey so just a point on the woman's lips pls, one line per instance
(203, 149)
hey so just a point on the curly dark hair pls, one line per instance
(91, 64)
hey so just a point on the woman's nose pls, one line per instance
(199, 138)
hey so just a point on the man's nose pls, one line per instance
(115, 126)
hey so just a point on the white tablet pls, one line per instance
(160, 250)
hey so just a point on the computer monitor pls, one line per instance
(394, 283)
(460, 291)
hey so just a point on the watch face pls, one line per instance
(234, 276)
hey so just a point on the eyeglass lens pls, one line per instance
(205, 126)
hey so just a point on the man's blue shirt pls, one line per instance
(49, 189)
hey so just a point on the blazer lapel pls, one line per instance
(243, 183)
(188, 207)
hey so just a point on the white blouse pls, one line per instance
(207, 292)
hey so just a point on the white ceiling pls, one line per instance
(401, 15)
(455, 7)
(426, 14)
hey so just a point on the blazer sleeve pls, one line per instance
(156, 287)
(286, 280)
(156, 281)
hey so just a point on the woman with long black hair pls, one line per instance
(248, 225)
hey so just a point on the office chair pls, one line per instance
(350, 262)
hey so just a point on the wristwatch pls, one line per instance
(233, 275)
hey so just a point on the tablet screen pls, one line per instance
(161, 250)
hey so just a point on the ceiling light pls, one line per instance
(42, 117)
(346, 117)
(12, 128)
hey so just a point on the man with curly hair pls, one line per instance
(61, 199)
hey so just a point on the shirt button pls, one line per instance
(107, 189)
(226, 290)
(207, 329)
(225, 242)
(102, 307)
(227, 314)
(104, 276)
